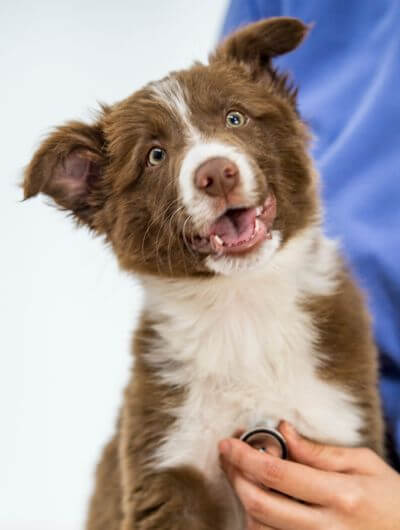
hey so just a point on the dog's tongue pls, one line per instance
(235, 226)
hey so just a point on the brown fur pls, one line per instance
(350, 356)
(99, 173)
(105, 510)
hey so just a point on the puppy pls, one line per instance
(203, 186)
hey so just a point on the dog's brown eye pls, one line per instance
(156, 156)
(234, 118)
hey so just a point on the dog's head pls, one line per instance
(203, 172)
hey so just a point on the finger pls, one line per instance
(274, 510)
(328, 457)
(252, 524)
(293, 479)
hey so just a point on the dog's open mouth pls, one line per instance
(239, 229)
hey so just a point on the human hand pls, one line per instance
(341, 489)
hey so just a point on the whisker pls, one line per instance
(176, 212)
(152, 223)
(184, 236)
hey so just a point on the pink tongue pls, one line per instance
(235, 226)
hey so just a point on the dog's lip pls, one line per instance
(238, 230)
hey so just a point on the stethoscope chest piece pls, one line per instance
(267, 441)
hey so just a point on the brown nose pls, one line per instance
(217, 177)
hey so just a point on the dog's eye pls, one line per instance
(234, 118)
(156, 156)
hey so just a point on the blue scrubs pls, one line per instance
(348, 71)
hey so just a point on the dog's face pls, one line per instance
(203, 172)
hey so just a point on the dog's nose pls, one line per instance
(217, 177)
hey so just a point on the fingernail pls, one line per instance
(225, 447)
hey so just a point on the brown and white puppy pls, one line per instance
(203, 185)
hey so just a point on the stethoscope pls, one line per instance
(267, 441)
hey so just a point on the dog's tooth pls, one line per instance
(269, 235)
(259, 210)
(258, 225)
(216, 243)
(218, 240)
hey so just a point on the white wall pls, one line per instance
(66, 312)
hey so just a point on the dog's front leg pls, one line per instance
(178, 499)
(153, 497)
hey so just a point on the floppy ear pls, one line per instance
(68, 167)
(257, 43)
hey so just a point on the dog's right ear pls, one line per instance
(67, 167)
(256, 44)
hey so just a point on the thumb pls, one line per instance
(322, 456)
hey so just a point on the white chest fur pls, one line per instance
(246, 352)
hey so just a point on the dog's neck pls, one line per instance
(232, 311)
(305, 265)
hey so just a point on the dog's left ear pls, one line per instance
(256, 44)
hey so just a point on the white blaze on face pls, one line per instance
(171, 94)
(199, 149)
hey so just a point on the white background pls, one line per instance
(66, 311)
